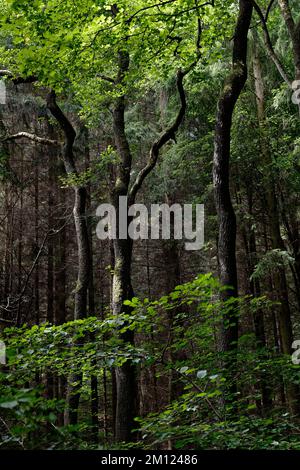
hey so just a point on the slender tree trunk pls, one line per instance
(126, 388)
(83, 246)
(279, 276)
(126, 374)
(122, 289)
(226, 216)
(60, 258)
(91, 294)
(249, 236)
(36, 244)
(293, 28)
(50, 241)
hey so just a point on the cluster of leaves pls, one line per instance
(92, 174)
(74, 47)
(85, 346)
(186, 320)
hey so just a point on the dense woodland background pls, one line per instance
(118, 344)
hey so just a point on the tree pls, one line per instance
(221, 171)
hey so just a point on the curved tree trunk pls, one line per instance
(83, 245)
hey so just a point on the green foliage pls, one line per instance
(74, 47)
(196, 419)
(273, 259)
(98, 170)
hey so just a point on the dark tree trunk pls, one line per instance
(126, 388)
(122, 289)
(50, 241)
(60, 259)
(279, 276)
(226, 216)
(36, 248)
(293, 28)
(258, 318)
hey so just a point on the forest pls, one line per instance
(149, 225)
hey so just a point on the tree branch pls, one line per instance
(162, 140)
(294, 32)
(68, 130)
(269, 9)
(33, 137)
(167, 2)
(171, 131)
(106, 78)
(268, 43)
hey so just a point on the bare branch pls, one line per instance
(162, 140)
(170, 132)
(33, 137)
(155, 5)
(106, 78)
(268, 43)
(161, 4)
(3, 320)
(18, 318)
(68, 130)
(269, 9)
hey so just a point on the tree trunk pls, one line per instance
(279, 276)
(226, 216)
(60, 259)
(83, 246)
(294, 33)
(126, 388)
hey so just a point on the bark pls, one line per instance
(293, 28)
(279, 276)
(33, 137)
(122, 288)
(50, 243)
(83, 246)
(79, 210)
(285, 323)
(226, 216)
(258, 316)
(60, 260)
(126, 386)
(36, 248)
